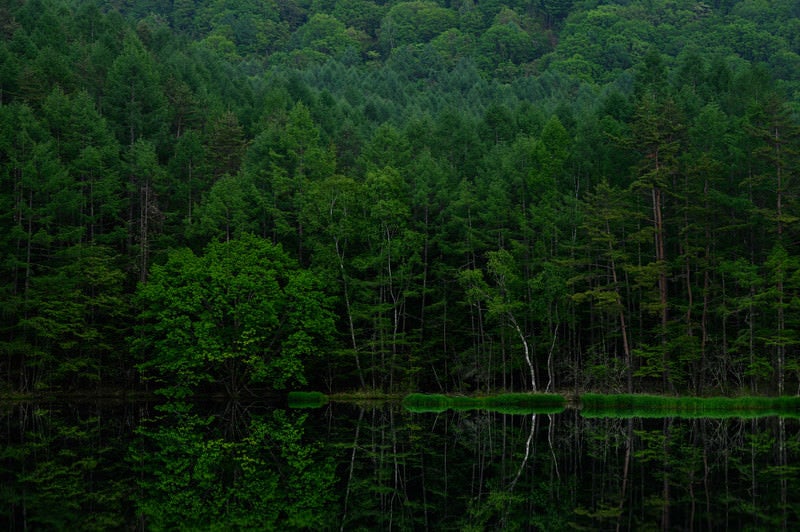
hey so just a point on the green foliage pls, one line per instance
(510, 42)
(327, 35)
(629, 405)
(242, 312)
(605, 188)
(64, 473)
(134, 99)
(194, 477)
(307, 399)
(99, 465)
(414, 22)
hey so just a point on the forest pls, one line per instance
(461, 196)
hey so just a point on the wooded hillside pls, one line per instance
(427, 195)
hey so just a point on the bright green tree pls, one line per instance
(327, 35)
(240, 313)
(415, 22)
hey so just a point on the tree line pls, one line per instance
(442, 196)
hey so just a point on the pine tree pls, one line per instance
(778, 150)
(657, 133)
(134, 101)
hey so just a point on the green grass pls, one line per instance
(653, 406)
(591, 405)
(509, 403)
(307, 399)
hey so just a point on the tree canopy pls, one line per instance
(456, 196)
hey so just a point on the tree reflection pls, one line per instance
(380, 467)
(239, 470)
(62, 466)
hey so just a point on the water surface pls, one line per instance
(254, 465)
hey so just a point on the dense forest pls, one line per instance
(460, 196)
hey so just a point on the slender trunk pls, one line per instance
(662, 275)
(476, 322)
(444, 337)
(424, 294)
(525, 349)
(689, 303)
(781, 327)
(626, 348)
(350, 323)
(724, 365)
(527, 453)
(704, 329)
(352, 469)
(190, 180)
(144, 230)
(753, 484)
(778, 208)
(19, 217)
(706, 475)
(751, 337)
(779, 187)
(28, 249)
(550, 431)
(696, 375)
(665, 525)
(706, 289)
(395, 297)
(625, 472)
(750, 314)
(783, 463)
(550, 358)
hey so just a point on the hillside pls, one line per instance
(426, 195)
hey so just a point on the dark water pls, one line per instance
(117, 466)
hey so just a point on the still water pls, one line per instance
(255, 466)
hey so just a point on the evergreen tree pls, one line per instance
(146, 182)
(657, 131)
(133, 98)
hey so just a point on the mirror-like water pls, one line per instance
(344, 467)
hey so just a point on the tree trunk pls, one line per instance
(525, 349)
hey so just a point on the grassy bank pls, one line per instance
(508, 403)
(633, 405)
(591, 405)
(307, 399)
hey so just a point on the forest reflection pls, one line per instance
(379, 467)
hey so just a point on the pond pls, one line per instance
(119, 465)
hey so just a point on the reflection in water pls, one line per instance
(64, 467)
(255, 466)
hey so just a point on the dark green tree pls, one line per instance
(133, 99)
(145, 184)
(657, 132)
